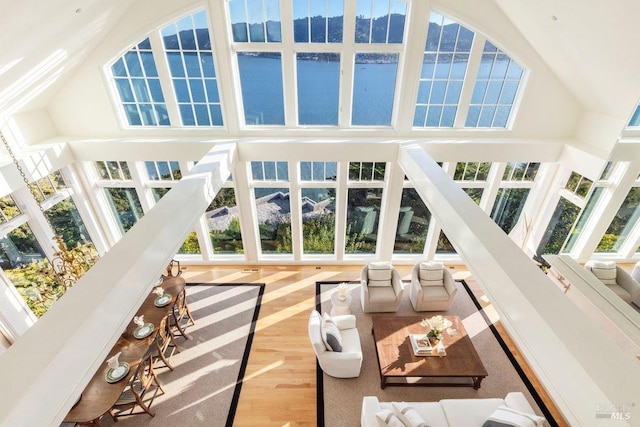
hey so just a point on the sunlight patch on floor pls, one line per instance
(474, 324)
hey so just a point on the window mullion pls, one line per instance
(162, 66)
(493, 185)
(87, 214)
(145, 195)
(475, 57)
(295, 210)
(37, 221)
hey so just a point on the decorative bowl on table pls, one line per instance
(116, 374)
(143, 331)
(162, 300)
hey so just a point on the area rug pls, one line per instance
(340, 400)
(204, 387)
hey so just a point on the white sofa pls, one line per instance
(448, 412)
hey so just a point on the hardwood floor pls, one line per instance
(279, 388)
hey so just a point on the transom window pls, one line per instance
(8, 208)
(112, 170)
(163, 171)
(578, 185)
(380, 21)
(270, 171)
(255, 21)
(339, 79)
(472, 171)
(316, 21)
(318, 171)
(366, 171)
(520, 171)
(47, 186)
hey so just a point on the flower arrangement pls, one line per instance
(436, 324)
(139, 320)
(343, 288)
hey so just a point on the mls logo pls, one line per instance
(620, 412)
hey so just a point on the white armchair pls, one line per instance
(342, 364)
(381, 288)
(432, 287)
(616, 279)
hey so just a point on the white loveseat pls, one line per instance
(448, 412)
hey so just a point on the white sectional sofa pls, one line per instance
(449, 412)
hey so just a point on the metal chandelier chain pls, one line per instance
(68, 265)
(24, 178)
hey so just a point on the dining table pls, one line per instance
(99, 396)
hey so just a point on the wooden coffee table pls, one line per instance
(459, 368)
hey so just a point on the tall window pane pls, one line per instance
(318, 220)
(374, 88)
(223, 219)
(445, 246)
(125, 206)
(444, 68)
(626, 218)
(363, 214)
(66, 222)
(497, 84)
(413, 224)
(563, 218)
(318, 88)
(191, 64)
(274, 220)
(22, 260)
(136, 79)
(261, 82)
(584, 216)
(508, 206)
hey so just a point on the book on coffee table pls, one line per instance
(422, 347)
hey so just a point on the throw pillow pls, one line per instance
(431, 273)
(380, 265)
(605, 271)
(408, 415)
(504, 416)
(389, 418)
(331, 334)
(431, 265)
(379, 277)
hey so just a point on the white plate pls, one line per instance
(162, 300)
(115, 375)
(143, 331)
